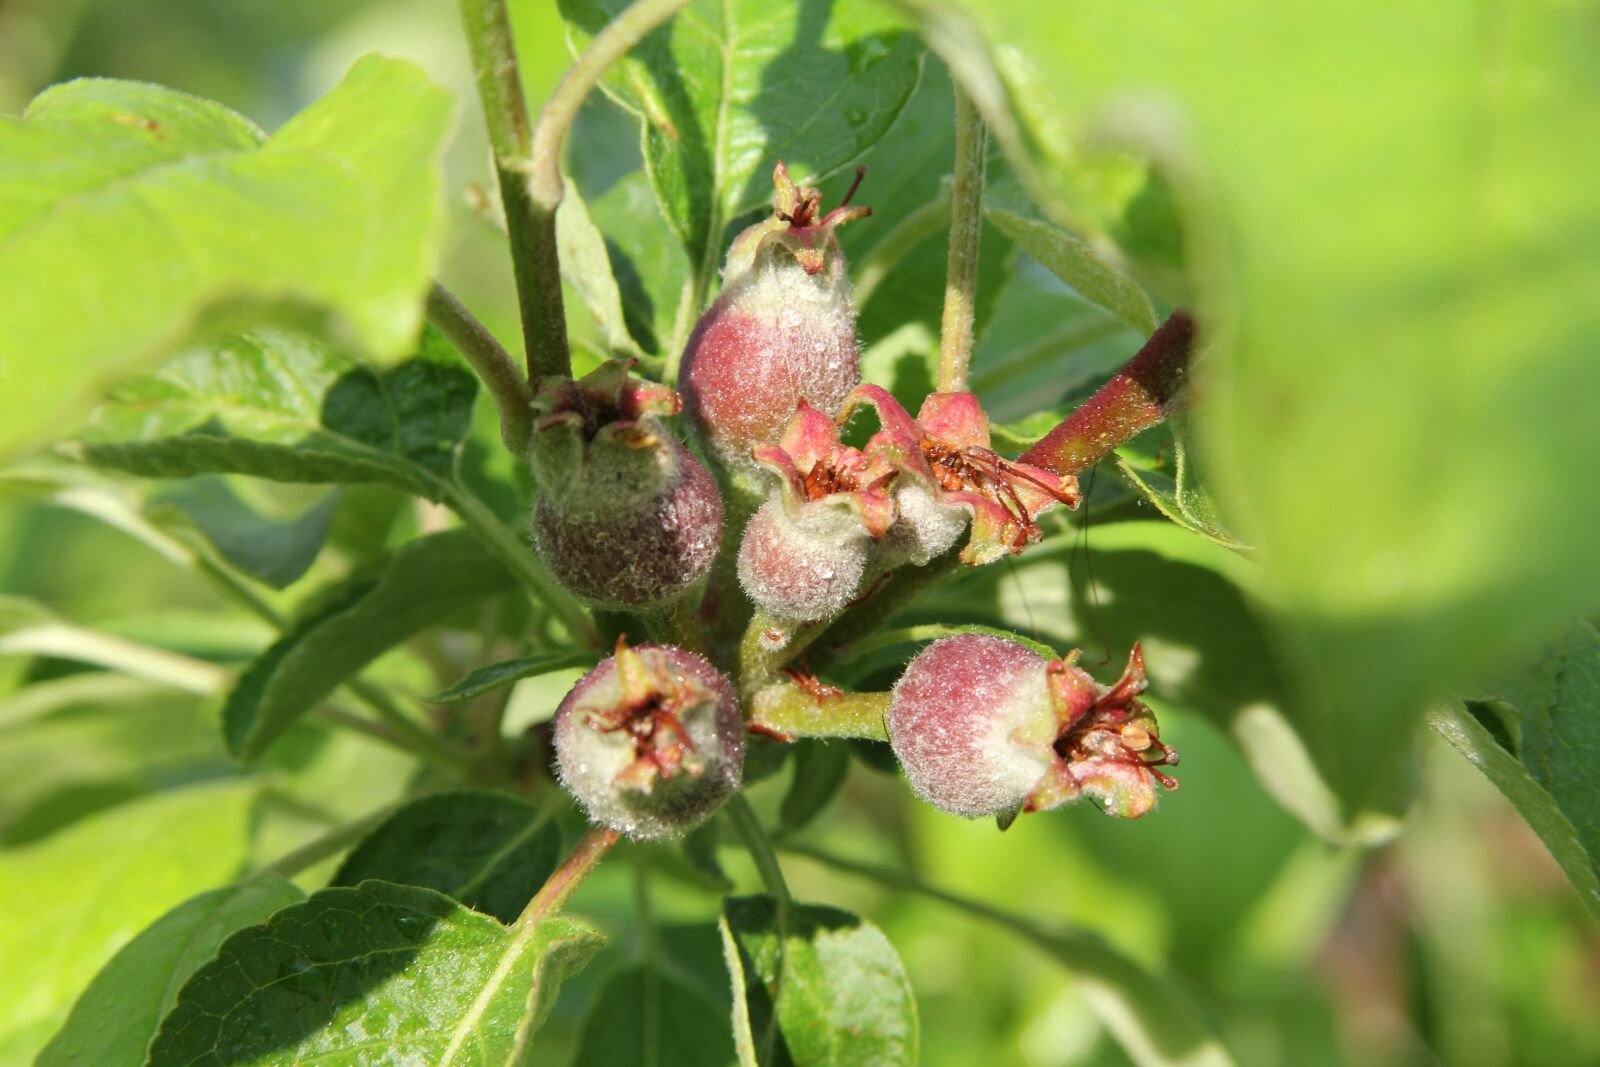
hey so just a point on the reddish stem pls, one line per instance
(1137, 397)
(565, 879)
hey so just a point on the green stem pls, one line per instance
(785, 708)
(565, 879)
(415, 737)
(490, 362)
(903, 586)
(539, 198)
(767, 645)
(520, 560)
(329, 844)
(761, 851)
(532, 237)
(966, 232)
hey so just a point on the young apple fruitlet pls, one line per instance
(783, 330)
(983, 725)
(651, 741)
(626, 517)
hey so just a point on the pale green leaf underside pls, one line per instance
(275, 405)
(117, 1016)
(147, 856)
(731, 86)
(425, 582)
(135, 218)
(375, 972)
(490, 851)
(1074, 262)
(1402, 308)
(815, 986)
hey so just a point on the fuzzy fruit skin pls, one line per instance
(983, 725)
(620, 551)
(953, 716)
(803, 567)
(590, 760)
(776, 336)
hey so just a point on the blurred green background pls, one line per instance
(1458, 942)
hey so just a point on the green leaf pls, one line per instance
(117, 1016)
(1176, 489)
(728, 88)
(400, 971)
(487, 679)
(425, 582)
(1079, 265)
(1537, 737)
(1188, 602)
(819, 770)
(1422, 355)
(815, 985)
(135, 218)
(146, 857)
(644, 1016)
(490, 851)
(96, 740)
(274, 405)
(277, 552)
(586, 266)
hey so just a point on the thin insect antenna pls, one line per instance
(861, 172)
(1022, 594)
(1093, 587)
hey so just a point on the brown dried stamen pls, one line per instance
(661, 745)
(825, 479)
(1134, 742)
(810, 684)
(985, 472)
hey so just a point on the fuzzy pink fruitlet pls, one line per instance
(651, 741)
(805, 551)
(782, 331)
(986, 726)
(626, 517)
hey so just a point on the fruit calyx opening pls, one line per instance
(650, 713)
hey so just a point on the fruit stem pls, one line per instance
(786, 708)
(1137, 397)
(966, 232)
(490, 362)
(761, 851)
(565, 879)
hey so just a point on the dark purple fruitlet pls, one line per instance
(782, 331)
(805, 551)
(626, 516)
(986, 726)
(651, 741)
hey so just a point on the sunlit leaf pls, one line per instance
(135, 218)
(814, 985)
(117, 1016)
(398, 968)
(146, 856)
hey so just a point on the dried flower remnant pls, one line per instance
(950, 478)
(986, 726)
(782, 331)
(651, 741)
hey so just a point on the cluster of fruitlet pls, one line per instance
(629, 519)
